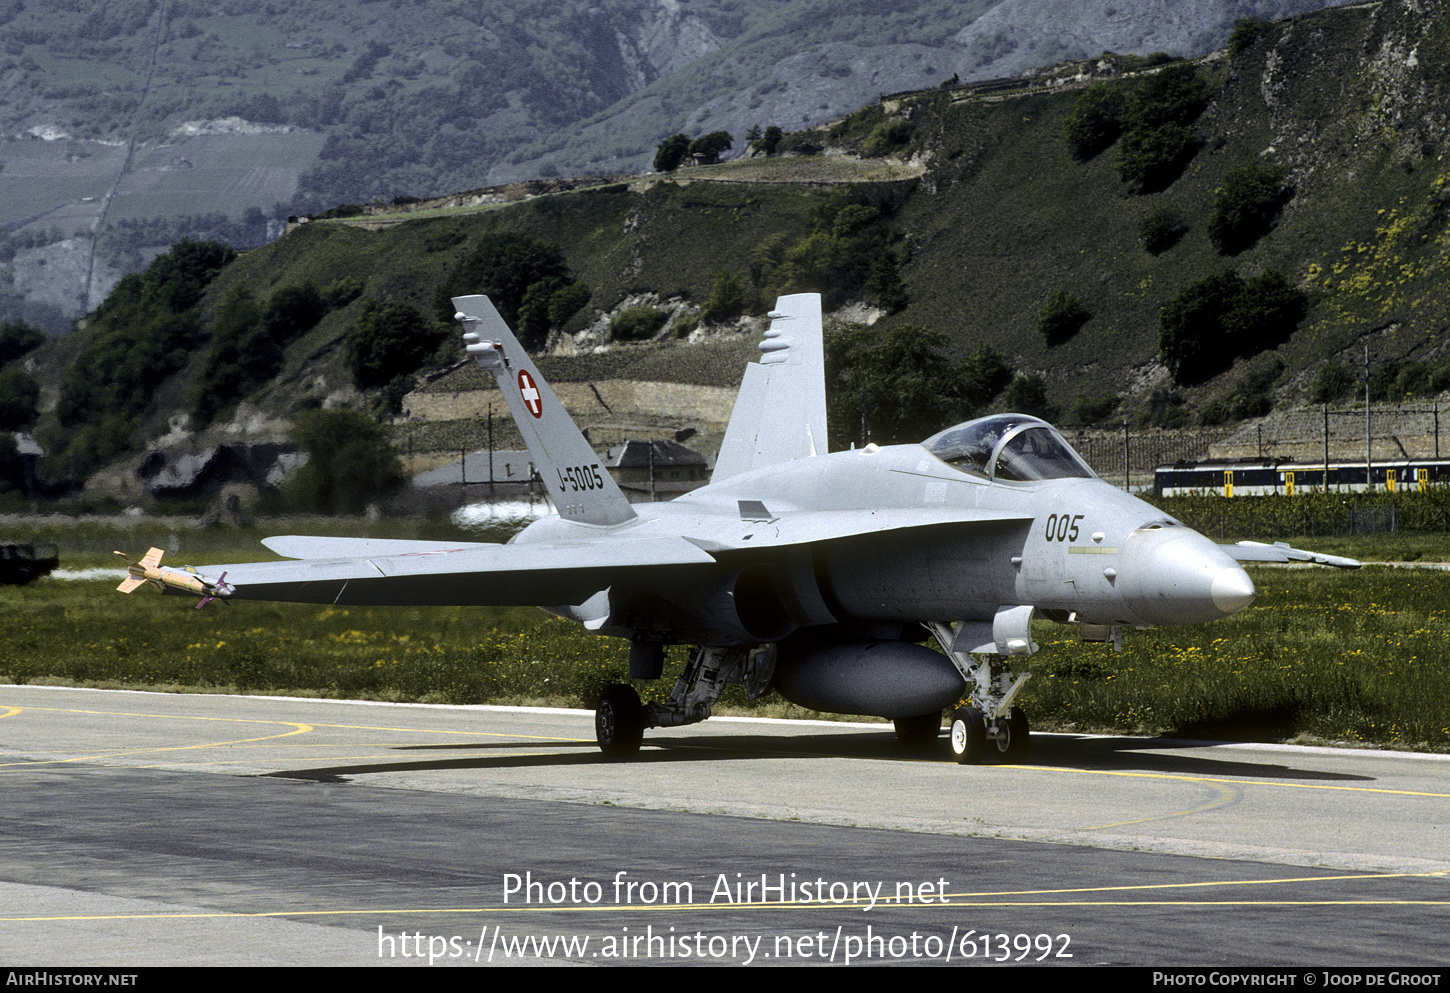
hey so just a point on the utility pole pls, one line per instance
(1368, 462)
(1127, 485)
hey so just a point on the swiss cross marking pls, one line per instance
(530, 393)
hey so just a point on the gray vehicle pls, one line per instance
(820, 575)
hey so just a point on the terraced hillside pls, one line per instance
(992, 213)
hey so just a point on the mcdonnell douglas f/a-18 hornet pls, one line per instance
(816, 574)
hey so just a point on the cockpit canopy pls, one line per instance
(1008, 446)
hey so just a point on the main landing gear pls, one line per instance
(621, 719)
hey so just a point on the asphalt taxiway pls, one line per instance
(151, 829)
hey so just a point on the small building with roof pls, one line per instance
(648, 471)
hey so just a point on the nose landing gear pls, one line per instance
(989, 724)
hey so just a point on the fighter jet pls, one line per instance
(817, 574)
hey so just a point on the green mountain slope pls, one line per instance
(128, 124)
(1347, 106)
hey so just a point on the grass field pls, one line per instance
(1323, 655)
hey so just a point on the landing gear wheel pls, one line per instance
(919, 732)
(619, 721)
(1013, 748)
(969, 735)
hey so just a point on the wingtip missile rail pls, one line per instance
(149, 570)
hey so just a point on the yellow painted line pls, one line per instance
(1226, 796)
(391, 759)
(11, 711)
(1090, 550)
(1230, 782)
(297, 728)
(675, 908)
(253, 720)
(469, 734)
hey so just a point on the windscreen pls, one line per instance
(1008, 446)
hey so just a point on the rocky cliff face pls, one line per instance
(1018, 35)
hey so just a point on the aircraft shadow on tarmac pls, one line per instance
(1064, 751)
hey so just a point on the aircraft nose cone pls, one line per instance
(1232, 590)
(1175, 575)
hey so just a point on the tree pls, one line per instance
(707, 149)
(176, 279)
(1158, 138)
(1061, 317)
(982, 375)
(534, 322)
(1191, 336)
(770, 141)
(19, 398)
(350, 463)
(1161, 230)
(887, 137)
(567, 301)
(147, 329)
(17, 338)
(505, 267)
(1246, 34)
(1245, 206)
(1175, 95)
(292, 312)
(637, 323)
(1096, 120)
(1151, 158)
(243, 355)
(671, 152)
(1332, 383)
(1087, 410)
(885, 282)
(728, 299)
(900, 383)
(387, 342)
(1028, 395)
(1218, 319)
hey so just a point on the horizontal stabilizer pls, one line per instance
(1257, 551)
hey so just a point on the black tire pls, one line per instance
(619, 721)
(1014, 747)
(919, 732)
(969, 736)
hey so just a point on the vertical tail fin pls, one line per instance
(582, 490)
(780, 412)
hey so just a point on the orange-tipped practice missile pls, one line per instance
(149, 570)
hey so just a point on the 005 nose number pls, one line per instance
(1062, 527)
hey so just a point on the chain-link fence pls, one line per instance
(1139, 451)
(1387, 433)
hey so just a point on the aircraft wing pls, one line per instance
(375, 572)
(459, 575)
(1257, 551)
